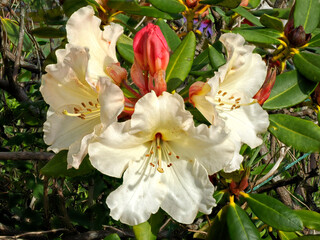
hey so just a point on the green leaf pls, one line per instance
(125, 48)
(49, 32)
(70, 6)
(216, 58)
(259, 35)
(289, 89)
(271, 22)
(286, 235)
(57, 167)
(223, 3)
(112, 236)
(180, 62)
(247, 15)
(310, 219)
(301, 134)
(273, 212)
(254, 3)
(169, 6)
(282, 13)
(310, 237)
(220, 195)
(240, 226)
(172, 38)
(307, 14)
(12, 29)
(132, 7)
(149, 230)
(308, 64)
(201, 60)
(219, 227)
(315, 41)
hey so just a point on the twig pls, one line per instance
(38, 233)
(42, 156)
(91, 235)
(26, 65)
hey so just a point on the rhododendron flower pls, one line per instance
(77, 107)
(231, 92)
(83, 30)
(166, 161)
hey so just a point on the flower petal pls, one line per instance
(139, 196)
(83, 29)
(189, 191)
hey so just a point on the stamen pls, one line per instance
(158, 137)
(90, 103)
(83, 104)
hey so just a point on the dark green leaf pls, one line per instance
(132, 7)
(216, 58)
(219, 227)
(169, 6)
(289, 89)
(125, 48)
(307, 14)
(315, 41)
(220, 195)
(57, 167)
(273, 212)
(286, 235)
(172, 38)
(310, 237)
(308, 64)
(49, 32)
(310, 219)
(180, 62)
(112, 236)
(260, 35)
(201, 60)
(282, 13)
(271, 22)
(247, 15)
(223, 3)
(70, 6)
(301, 134)
(240, 226)
(12, 29)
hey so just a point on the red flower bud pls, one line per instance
(151, 51)
(264, 92)
(191, 3)
(296, 36)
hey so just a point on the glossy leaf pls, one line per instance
(286, 235)
(201, 60)
(180, 62)
(169, 6)
(219, 227)
(282, 13)
(12, 29)
(240, 226)
(125, 48)
(310, 219)
(57, 167)
(271, 22)
(172, 38)
(112, 236)
(259, 35)
(315, 41)
(223, 3)
(216, 58)
(301, 134)
(307, 14)
(48, 32)
(289, 89)
(273, 212)
(220, 195)
(310, 237)
(149, 230)
(132, 7)
(247, 15)
(308, 64)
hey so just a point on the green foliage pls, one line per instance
(308, 64)
(307, 14)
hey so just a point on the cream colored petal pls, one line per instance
(83, 29)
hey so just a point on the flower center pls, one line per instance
(160, 152)
(85, 111)
(229, 102)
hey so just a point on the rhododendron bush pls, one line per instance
(160, 119)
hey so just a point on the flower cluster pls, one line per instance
(149, 138)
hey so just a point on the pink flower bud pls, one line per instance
(151, 50)
(264, 92)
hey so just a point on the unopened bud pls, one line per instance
(296, 36)
(151, 51)
(264, 92)
(191, 3)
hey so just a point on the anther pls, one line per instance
(76, 110)
(178, 157)
(89, 110)
(221, 104)
(238, 99)
(83, 104)
(219, 100)
(91, 103)
(225, 93)
(219, 92)
(232, 97)
(152, 164)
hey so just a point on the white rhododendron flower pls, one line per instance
(230, 93)
(83, 30)
(77, 108)
(165, 159)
